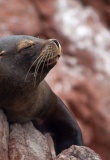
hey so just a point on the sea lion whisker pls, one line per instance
(31, 66)
(37, 67)
(45, 57)
(49, 55)
(44, 63)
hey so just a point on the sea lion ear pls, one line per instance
(2, 53)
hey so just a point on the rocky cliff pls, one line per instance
(81, 78)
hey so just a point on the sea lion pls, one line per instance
(25, 95)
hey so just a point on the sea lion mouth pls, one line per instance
(52, 60)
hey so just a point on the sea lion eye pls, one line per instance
(2, 53)
(27, 47)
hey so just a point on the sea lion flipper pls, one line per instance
(64, 127)
(59, 121)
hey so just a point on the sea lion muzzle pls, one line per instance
(48, 57)
(51, 52)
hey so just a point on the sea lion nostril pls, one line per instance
(56, 42)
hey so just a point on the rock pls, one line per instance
(103, 8)
(82, 75)
(24, 142)
(19, 19)
(78, 153)
(4, 135)
(81, 78)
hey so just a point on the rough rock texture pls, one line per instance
(22, 142)
(78, 153)
(4, 135)
(103, 8)
(82, 77)
(18, 17)
(25, 142)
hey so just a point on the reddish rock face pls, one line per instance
(21, 141)
(82, 76)
(18, 17)
(103, 8)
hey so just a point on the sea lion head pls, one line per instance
(26, 58)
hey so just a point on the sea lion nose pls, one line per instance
(56, 42)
